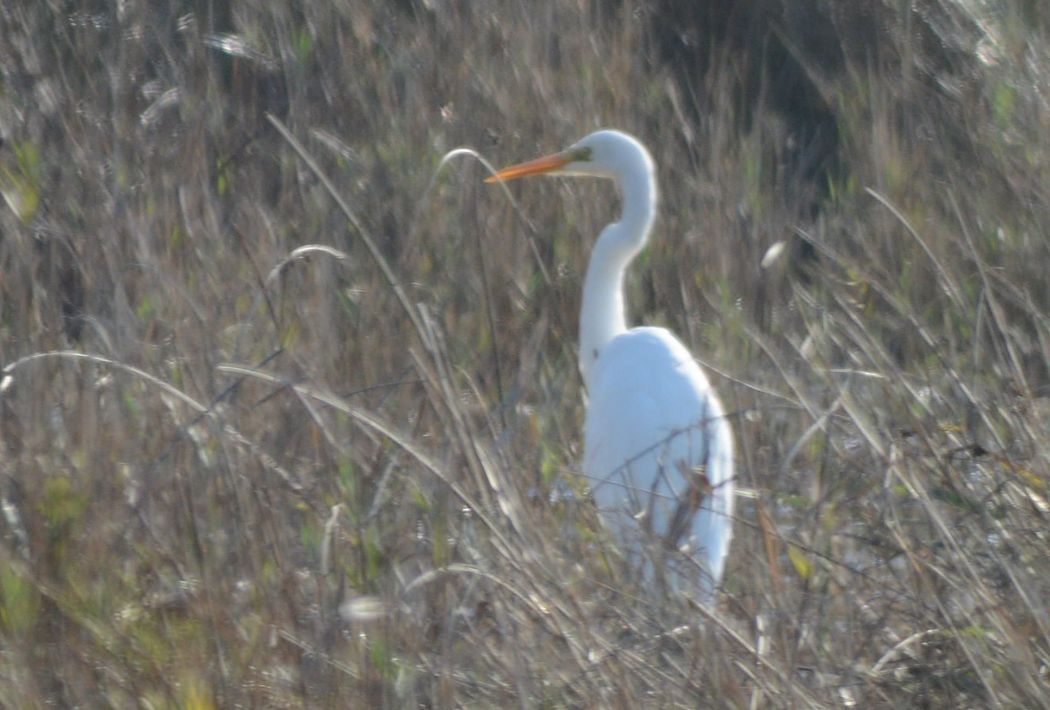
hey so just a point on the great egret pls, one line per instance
(658, 449)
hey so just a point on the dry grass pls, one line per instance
(237, 474)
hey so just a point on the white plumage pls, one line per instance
(654, 431)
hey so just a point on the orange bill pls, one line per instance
(533, 167)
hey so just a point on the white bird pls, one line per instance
(658, 449)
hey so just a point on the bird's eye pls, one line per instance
(581, 154)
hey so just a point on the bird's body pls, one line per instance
(658, 450)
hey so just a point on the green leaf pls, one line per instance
(1003, 102)
(20, 605)
(800, 562)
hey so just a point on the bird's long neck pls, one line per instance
(603, 312)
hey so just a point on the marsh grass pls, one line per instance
(261, 449)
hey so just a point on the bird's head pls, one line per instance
(606, 154)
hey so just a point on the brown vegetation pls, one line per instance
(260, 448)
